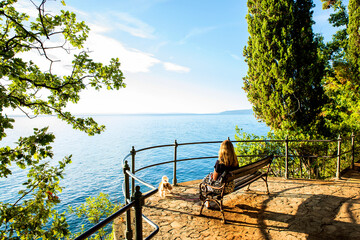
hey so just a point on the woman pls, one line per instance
(227, 161)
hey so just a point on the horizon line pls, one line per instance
(228, 112)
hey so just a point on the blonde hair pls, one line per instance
(227, 154)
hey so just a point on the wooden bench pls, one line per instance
(242, 177)
(357, 164)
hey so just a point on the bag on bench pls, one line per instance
(217, 184)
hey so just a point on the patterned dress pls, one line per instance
(220, 169)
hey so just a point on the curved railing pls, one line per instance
(135, 199)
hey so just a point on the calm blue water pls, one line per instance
(97, 161)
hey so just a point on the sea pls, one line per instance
(97, 161)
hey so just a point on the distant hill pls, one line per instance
(233, 112)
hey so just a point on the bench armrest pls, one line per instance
(213, 187)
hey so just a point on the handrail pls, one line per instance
(141, 181)
(153, 165)
(158, 146)
(132, 203)
(235, 141)
(102, 224)
(157, 228)
(193, 143)
(126, 158)
(150, 193)
(286, 141)
(106, 221)
(179, 160)
(123, 188)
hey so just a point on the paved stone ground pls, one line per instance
(295, 209)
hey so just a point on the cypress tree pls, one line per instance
(354, 37)
(335, 50)
(284, 75)
(342, 83)
(353, 55)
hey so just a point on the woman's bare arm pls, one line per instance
(215, 175)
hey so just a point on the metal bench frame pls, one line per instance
(242, 177)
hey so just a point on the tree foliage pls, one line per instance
(283, 81)
(34, 89)
(300, 86)
(27, 216)
(253, 145)
(94, 210)
(354, 37)
(342, 80)
(335, 50)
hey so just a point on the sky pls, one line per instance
(177, 56)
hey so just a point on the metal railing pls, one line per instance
(338, 155)
(283, 151)
(136, 202)
(137, 199)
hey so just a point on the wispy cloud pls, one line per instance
(102, 48)
(196, 32)
(127, 23)
(99, 28)
(132, 60)
(236, 57)
(322, 18)
(157, 47)
(175, 68)
(27, 7)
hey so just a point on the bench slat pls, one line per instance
(250, 168)
(258, 164)
(246, 178)
(250, 180)
(242, 177)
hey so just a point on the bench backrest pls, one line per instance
(250, 168)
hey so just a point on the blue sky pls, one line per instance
(177, 56)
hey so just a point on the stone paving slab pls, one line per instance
(295, 209)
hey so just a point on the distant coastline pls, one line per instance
(231, 112)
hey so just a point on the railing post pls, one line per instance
(128, 234)
(286, 158)
(352, 150)
(139, 202)
(338, 158)
(175, 159)
(133, 152)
